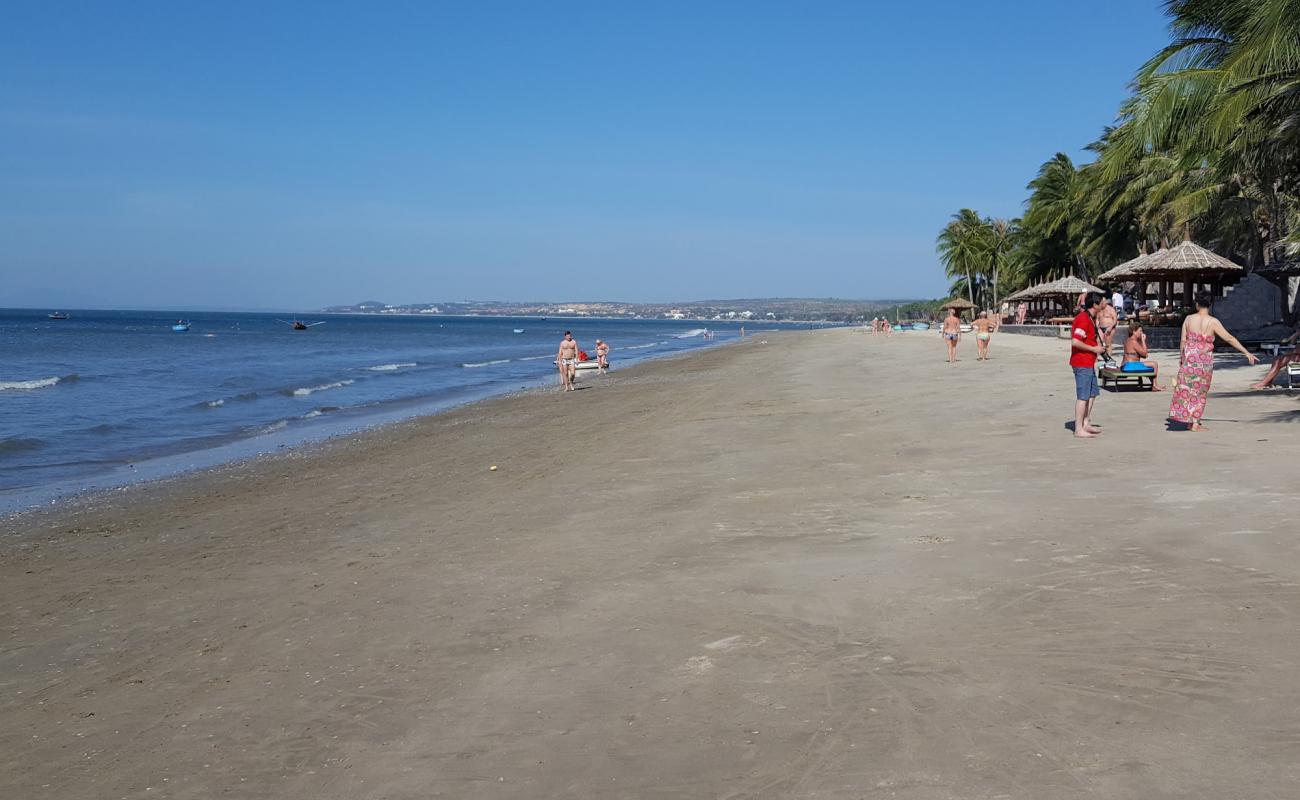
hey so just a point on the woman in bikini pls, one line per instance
(1135, 350)
(952, 334)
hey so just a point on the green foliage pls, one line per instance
(1207, 146)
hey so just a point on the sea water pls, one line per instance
(106, 391)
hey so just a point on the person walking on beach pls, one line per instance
(951, 332)
(602, 356)
(984, 328)
(1085, 346)
(567, 360)
(1196, 368)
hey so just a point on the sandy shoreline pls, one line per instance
(826, 566)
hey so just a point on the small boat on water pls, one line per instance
(299, 325)
(57, 315)
(920, 326)
(519, 330)
(181, 326)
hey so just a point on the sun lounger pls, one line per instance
(1115, 375)
(1292, 372)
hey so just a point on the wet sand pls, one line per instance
(817, 565)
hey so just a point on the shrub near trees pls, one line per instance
(1206, 147)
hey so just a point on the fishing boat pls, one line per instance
(181, 326)
(299, 325)
(57, 315)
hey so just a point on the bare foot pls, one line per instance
(1085, 435)
(1093, 430)
(1258, 386)
(1157, 388)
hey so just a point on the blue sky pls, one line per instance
(294, 155)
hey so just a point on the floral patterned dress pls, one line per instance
(1193, 385)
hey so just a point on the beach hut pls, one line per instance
(1063, 292)
(1125, 272)
(1188, 264)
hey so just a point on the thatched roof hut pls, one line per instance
(958, 304)
(1125, 271)
(1186, 262)
(1067, 286)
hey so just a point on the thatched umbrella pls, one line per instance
(958, 304)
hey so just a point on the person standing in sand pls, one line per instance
(602, 355)
(1085, 346)
(1107, 321)
(984, 328)
(567, 360)
(1196, 368)
(951, 332)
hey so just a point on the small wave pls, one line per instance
(391, 367)
(306, 390)
(692, 333)
(532, 358)
(316, 412)
(640, 346)
(221, 401)
(20, 444)
(39, 383)
(487, 363)
(106, 428)
(275, 426)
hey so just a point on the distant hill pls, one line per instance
(770, 308)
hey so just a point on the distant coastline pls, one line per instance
(740, 311)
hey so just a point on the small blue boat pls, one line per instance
(181, 326)
(920, 326)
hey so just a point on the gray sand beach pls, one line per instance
(815, 565)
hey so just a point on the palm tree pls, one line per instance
(961, 248)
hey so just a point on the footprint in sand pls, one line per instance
(697, 665)
(733, 642)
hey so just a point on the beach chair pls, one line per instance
(1292, 372)
(1117, 376)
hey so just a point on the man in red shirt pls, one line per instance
(1085, 346)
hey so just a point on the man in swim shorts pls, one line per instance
(951, 333)
(1107, 321)
(984, 328)
(567, 360)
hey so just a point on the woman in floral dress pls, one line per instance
(1196, 369)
